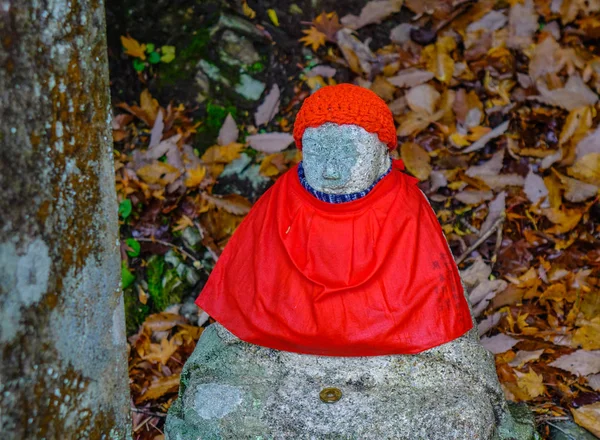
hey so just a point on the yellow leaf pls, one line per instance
(222, 154)
(564, 219)
(587, 168)
(588, 416)
(183, 223)
(267, 168)
(438, 60)
(248, 11)
(531, 383)
(168, 54)
(383, 88)
(195, 176)
(133, 48)
(158, 172)
(576, 125)
(588, 335)
(458, 140)
(273, 16)
(315, 82)
(314, 38)
(416, 160)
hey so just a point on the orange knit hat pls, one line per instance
(346, 104)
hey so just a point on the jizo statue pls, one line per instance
(340, 311)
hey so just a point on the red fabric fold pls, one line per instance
(370, 277)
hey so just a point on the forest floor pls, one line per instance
(496, 104)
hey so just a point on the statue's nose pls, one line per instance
(331, 172)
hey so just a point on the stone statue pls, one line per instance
(340, 310)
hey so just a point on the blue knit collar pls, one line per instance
(336, 198)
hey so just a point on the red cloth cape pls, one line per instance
(369, 277)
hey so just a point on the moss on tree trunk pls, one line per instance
(64, 363)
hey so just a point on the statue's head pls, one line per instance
(345, 133)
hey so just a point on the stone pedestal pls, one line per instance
(234, 390)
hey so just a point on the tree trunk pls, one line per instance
(64, 361)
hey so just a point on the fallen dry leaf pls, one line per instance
(522, 24)
(422, 99)
(270, 142)
(229, 132)
(159, 388)
(499, 343)
(588, 416)
(269, 108)
(574, 94)
(531, 383)
(522, 357)
(416, 160)
(580, 362)
(373, 12)
(133, 48)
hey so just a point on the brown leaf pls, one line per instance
(149, 105)
(161, 353)
(232, 203)
(163, 321)
(373, 12)
(416, 160)
(158, 172)
(159, 388)
(410, 77)
(328, 24)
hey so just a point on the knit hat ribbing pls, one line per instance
(347, 104)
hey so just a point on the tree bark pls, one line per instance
(63, 372)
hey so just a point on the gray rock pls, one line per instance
(236, 50)
(231, 390)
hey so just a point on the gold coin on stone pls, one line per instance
(330, 395)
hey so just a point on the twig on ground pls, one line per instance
(497, 246)
(147, 412)
(174, 246)
(481, 239)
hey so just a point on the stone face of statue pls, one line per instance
(343, 159)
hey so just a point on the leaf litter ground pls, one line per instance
(496, 104)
